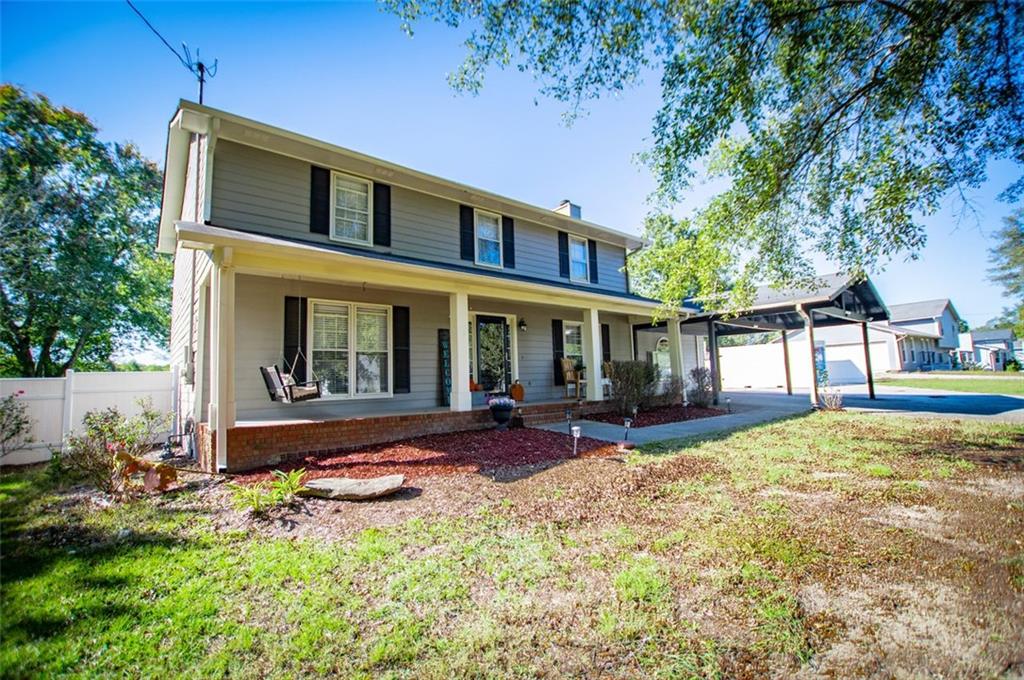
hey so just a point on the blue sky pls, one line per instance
(346, 73)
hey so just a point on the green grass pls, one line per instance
(972, 384)
(151, 588)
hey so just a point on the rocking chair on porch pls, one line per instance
(287, 390)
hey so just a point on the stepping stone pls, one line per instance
(345, 489)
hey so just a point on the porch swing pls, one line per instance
(283, 388)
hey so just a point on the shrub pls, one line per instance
(633, 384)
(1012, 365)
(701, 391)
(671, 393)
(830, 397)
(15, 424)
(109, 451)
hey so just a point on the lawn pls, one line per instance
(829, 544)
(983, 385)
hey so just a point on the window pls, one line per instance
(350, 340)
(488, 239)
(572, 344)
(579, 262)
(352, 199)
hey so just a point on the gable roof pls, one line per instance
(992, 334)
(923, 309)
(197, 118)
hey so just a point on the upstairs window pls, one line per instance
(579, 263)
(352, 201)
(488, 239)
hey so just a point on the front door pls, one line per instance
(493, 354)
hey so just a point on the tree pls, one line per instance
(78, 273)
(837, 123)
(1007, 258)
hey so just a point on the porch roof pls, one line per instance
(460, 278)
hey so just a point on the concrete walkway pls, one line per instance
(748, 408)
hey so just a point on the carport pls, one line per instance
(831, 300)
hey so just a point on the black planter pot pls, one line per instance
(501, 415)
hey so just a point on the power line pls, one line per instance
(197, 68)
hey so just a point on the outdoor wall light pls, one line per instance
(521, 325)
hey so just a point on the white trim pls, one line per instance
(369, 209)
(586, 258)
(352, 395)
(573, 322)
(511, 320)
(476, 240)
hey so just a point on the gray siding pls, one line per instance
(267, 192)
(259, 319)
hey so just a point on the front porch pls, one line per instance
(398, 353)
(256, 443)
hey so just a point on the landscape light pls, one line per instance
(728, 404)
(628, 422)
(575, 438)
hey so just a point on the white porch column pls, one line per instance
(222, 337)
(592, 353)
(458, 317)
(675, 349)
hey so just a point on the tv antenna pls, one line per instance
(197, 67)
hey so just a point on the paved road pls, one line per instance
(752, 407)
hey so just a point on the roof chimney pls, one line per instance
(569, 209)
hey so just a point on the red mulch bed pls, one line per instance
(443, 454)
(660, 415)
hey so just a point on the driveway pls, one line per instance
(750, 407)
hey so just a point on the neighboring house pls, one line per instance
(988, 349)
(932, 337)
(398, 290)
(1018, 350)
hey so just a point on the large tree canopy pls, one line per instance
(836, 123)
(1007, 258)
(78, 273)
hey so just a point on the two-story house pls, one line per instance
(932, 334)
(402, 295)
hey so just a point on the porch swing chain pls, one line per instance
(300, 353)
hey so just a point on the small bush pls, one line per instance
(262, 497)
(671, 393)
(701, 391)
(1012, 365)
(15, 424)
(110, 449)
(633, 384)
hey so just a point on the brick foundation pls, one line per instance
(256, 445)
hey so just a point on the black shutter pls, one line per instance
(381, 215)
(558, 348)
(592, 247)
(400, 350)
(295, 349)
(466, 233)
(508, 243)
(319, 200)
(563, 254)
(606, 342)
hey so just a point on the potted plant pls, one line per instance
(501, 410)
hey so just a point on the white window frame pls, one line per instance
(352, 395)
(511, 320)
(476, 240)
(586, 258)
(369, 209)
(568, 322)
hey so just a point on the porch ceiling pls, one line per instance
(280, 257)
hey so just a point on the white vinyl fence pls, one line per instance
(57, 405)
